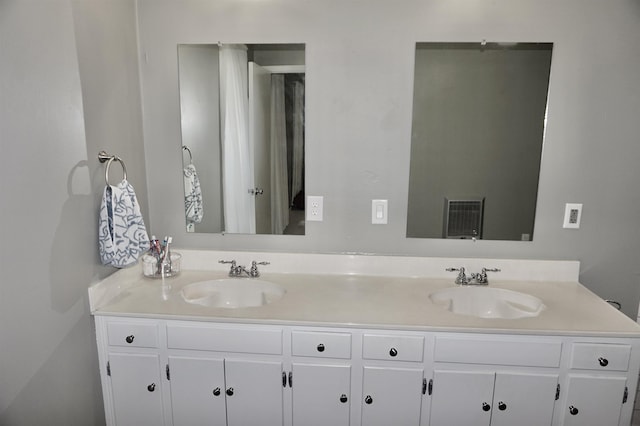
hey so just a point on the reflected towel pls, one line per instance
(192, 195)
(122, 236)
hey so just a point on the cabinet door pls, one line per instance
(524, 399)
(254, 393)
(321, 394)
(391, 396)
(461, 398)
(137, 389)
(197, 391)
(593, 400)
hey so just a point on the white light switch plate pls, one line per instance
(572, 215)
(379, 212)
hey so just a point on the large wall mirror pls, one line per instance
(242, 118)
(479, 114)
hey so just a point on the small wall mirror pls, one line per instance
(242, 120)
(476, 144)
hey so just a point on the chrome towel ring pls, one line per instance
(186, 148)
(104, 157)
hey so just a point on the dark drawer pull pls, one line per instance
(130, 338)
(320, 347)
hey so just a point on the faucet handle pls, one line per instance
(462, 277)
(482, 278)
(233, 272)
(254, 268)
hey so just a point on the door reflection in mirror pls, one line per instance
(242, 117)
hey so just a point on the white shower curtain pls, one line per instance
(237, 164)
(298, 139)
(279, 175)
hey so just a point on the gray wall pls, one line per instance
(358, 133)
(69, 88)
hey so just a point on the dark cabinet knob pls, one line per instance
(216, 391)
(368, 399)
(393, 352)
(603, 361)
(320, 347)
(130, 338)
(502, 406)
(343, 398)
(573, 410)
(485, 406)
(230, 391)
(151, 387)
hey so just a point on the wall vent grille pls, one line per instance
(463, 218)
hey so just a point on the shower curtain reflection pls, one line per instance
(237, 170)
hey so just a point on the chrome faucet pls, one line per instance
(479, 278)
(240, 271)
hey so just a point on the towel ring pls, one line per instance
(103, 156)
(186, 148)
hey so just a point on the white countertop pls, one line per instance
(359, 300)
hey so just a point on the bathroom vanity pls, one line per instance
(366, 344)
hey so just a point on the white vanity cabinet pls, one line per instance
(170, 372)
(320, 378)
(241, 374)
(137, 389)
(597, 384)
(132, 372)
(489, 380)
(234, 392)
(492, 398)
(392, 379)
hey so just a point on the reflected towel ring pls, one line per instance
(186, 148)
(103, 156)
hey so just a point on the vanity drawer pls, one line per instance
(325, 345)
(498, 352)
(395, 348)
(134, 334)
(224, 339)
(594, 356)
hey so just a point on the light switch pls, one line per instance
(379, 212)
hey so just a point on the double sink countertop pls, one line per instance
(349, 297)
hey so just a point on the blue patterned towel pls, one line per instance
(122, 236)
(192, 195)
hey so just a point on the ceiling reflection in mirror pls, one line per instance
(242, 112)
(479, 112)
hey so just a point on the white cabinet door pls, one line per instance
(593, 400)
(253, 393)
(523, 399)
(391, 396)
(461, 398)
(137, 389)
(321, 394)
(197, 391)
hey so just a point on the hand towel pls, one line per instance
(122, 236)
(192, 195)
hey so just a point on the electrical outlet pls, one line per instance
(314, 208)
(572, 215)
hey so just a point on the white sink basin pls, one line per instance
(487, 302)
(232, 293)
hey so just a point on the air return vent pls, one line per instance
(463, 218)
